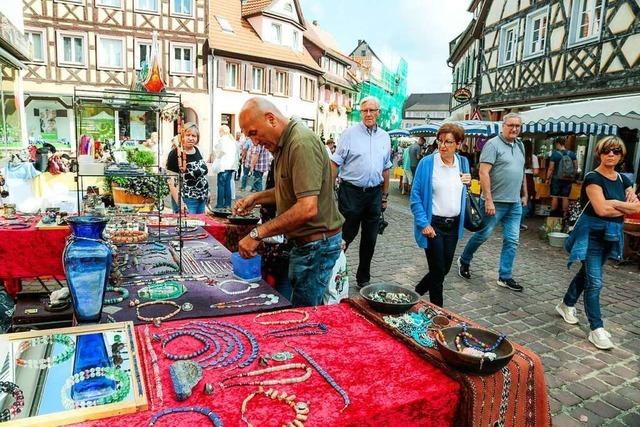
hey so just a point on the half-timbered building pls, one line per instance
(100, 44)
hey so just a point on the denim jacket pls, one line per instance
(578, 241)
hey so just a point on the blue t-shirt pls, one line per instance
(556, 156)
(612, 190)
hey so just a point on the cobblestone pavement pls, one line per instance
(587, 387)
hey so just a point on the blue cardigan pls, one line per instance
(421, 197)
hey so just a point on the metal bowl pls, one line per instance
(243, 220)
(221, 212)
(467, 363)
(389, 307)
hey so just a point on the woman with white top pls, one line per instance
(438, 204)
(226, 152)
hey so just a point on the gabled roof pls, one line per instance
(360, 43)
(256, 7)
(245, 43)
(427, 101)
(325, 41)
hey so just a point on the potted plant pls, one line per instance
(138, 190)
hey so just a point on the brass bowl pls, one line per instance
(467, 363)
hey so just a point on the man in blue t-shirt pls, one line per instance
(562, 172)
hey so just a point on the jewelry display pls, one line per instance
(194, 335)
(270, 299)
(185, 375)
(474, 347)
(154, 364)
(249, 286)
(414, 325)
(18, 400)
(169, 265)
(213, 417)
(302, 329)
(168, 289)
(304, 314)
(128, 236)
(116, 350)
(287, 367)
(50, 361)
(122, 387)
(124, 294)
(157, 321)
(390, 297)
(300, 408)
(147, 281)
(324, 374)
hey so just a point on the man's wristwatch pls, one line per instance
(254, 234)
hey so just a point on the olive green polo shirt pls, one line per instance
(302, 168)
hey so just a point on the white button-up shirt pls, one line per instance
(446, 187)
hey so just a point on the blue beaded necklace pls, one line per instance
(213, 417)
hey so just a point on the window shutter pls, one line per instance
(247, 77)
(289, 83)
(222, 72)
(271, 79)
(301, 87)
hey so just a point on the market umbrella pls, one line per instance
(426, 129)
(395, 133)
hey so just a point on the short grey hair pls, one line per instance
(512, 116)
(370, 99)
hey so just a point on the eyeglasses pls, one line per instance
(617, 151)
(448, 142)
(370, 111)
(513, 126)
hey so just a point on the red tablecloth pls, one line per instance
(388, 384)
(30, 252)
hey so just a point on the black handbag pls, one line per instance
(473, 215)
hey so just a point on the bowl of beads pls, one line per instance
(388, 298)
(474, 350)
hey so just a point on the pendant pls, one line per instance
(162, 291)
(185, 375)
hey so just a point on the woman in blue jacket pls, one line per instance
(438, 203)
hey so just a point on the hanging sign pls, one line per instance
(462, 95)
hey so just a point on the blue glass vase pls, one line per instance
(87, 264)
(91, 352)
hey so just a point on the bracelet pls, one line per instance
(10, 388)
(305, 316)
(250, 285)
(117, 375)
(157, 321)
(213, 417)
(301, 408)
(49, 361)
(124, 293)
(205, 345)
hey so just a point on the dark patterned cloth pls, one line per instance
(194, 180)
(6, 311)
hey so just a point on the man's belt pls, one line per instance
(320, 235)
(362, 189)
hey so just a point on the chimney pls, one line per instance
(315, 23)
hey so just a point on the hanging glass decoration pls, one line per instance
(152, 82)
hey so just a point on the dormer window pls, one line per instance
(276, 30)
(296, 39)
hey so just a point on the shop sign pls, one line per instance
(462, 95)
(13, 40)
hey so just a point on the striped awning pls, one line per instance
(426, 129)
(570, 127)
(396, 133)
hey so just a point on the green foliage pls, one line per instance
(151, 186)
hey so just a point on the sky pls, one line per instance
(417, 30)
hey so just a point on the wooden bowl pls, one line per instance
(467, 363)
(389, 307)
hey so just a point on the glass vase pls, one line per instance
(91, 352)
(87, 264)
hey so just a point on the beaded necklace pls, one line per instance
(154, 363)
(124, 294)
(157, 321)
(327, 377)
(165, 290)
(194, 354)
(465, 336)
(305, 316)
(47, 362)
(213, 417)
(250, 285)
(301, 408)
(117, 375)
(287, 367)
(269, 300)
(18, 400)
(320, 329)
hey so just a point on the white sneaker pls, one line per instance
(600, 338)
(567, 313)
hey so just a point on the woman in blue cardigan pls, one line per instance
(438, 204)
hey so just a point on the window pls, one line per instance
(508, 43)
(182, 59)
(110, 3)
(110, 53)
(147, 5)
(72, 49)
(536, 32)
(143, 53)
(307, 89)
(257, 79)
(586, 21)
(288, 7)
(281, 82)
(182, 7)
(276, 30)
(296, 39)
(224, 24)
(232, 77)
(37, 45)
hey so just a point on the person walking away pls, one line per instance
(245, 158)
(307, 212)
(407, 173)
(364, 158)
(226, 152)
(562, 171)
(531, 169)
(415, 154)
(260, 161)
(606, 196)
(502, 182)
(438, 198)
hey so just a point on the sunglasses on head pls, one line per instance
(616, 150)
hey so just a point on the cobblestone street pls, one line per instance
(587, 387)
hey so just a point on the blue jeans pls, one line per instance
(224, 189)
(257, 181)
(310, 268)
(589, 280)
(245, 175)
(194, 206)
(509, 215)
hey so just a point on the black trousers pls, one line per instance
(361, 208)
(440, 252)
